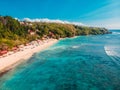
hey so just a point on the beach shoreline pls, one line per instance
(10, 61)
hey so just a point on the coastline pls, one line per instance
(10, 61)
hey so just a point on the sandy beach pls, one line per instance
(8, 62)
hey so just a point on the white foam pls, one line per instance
(116, 33)
(56, 47)
(107, 36)
(112, 51)
(75, 46)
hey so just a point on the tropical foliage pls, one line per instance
(13, 32)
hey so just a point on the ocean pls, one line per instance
(79, 63)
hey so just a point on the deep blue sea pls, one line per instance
(80, 63)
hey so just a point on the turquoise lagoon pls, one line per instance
(80, 63)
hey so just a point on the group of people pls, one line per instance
(31, 45)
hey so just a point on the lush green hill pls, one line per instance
(13, 32)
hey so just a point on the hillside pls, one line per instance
(14, 33)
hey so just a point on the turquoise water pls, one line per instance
(81, 63)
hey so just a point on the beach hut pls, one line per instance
(10, 52)
(21, 46)
(31, 32)
(3, 52)
(15, 49)
(38, 41)
(27, 44)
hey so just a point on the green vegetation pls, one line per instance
(14, 33)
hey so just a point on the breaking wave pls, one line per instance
(114, 53)
(116, 33)
(75, 46)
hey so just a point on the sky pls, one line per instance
(102, 13)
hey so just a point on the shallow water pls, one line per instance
(81, 63)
